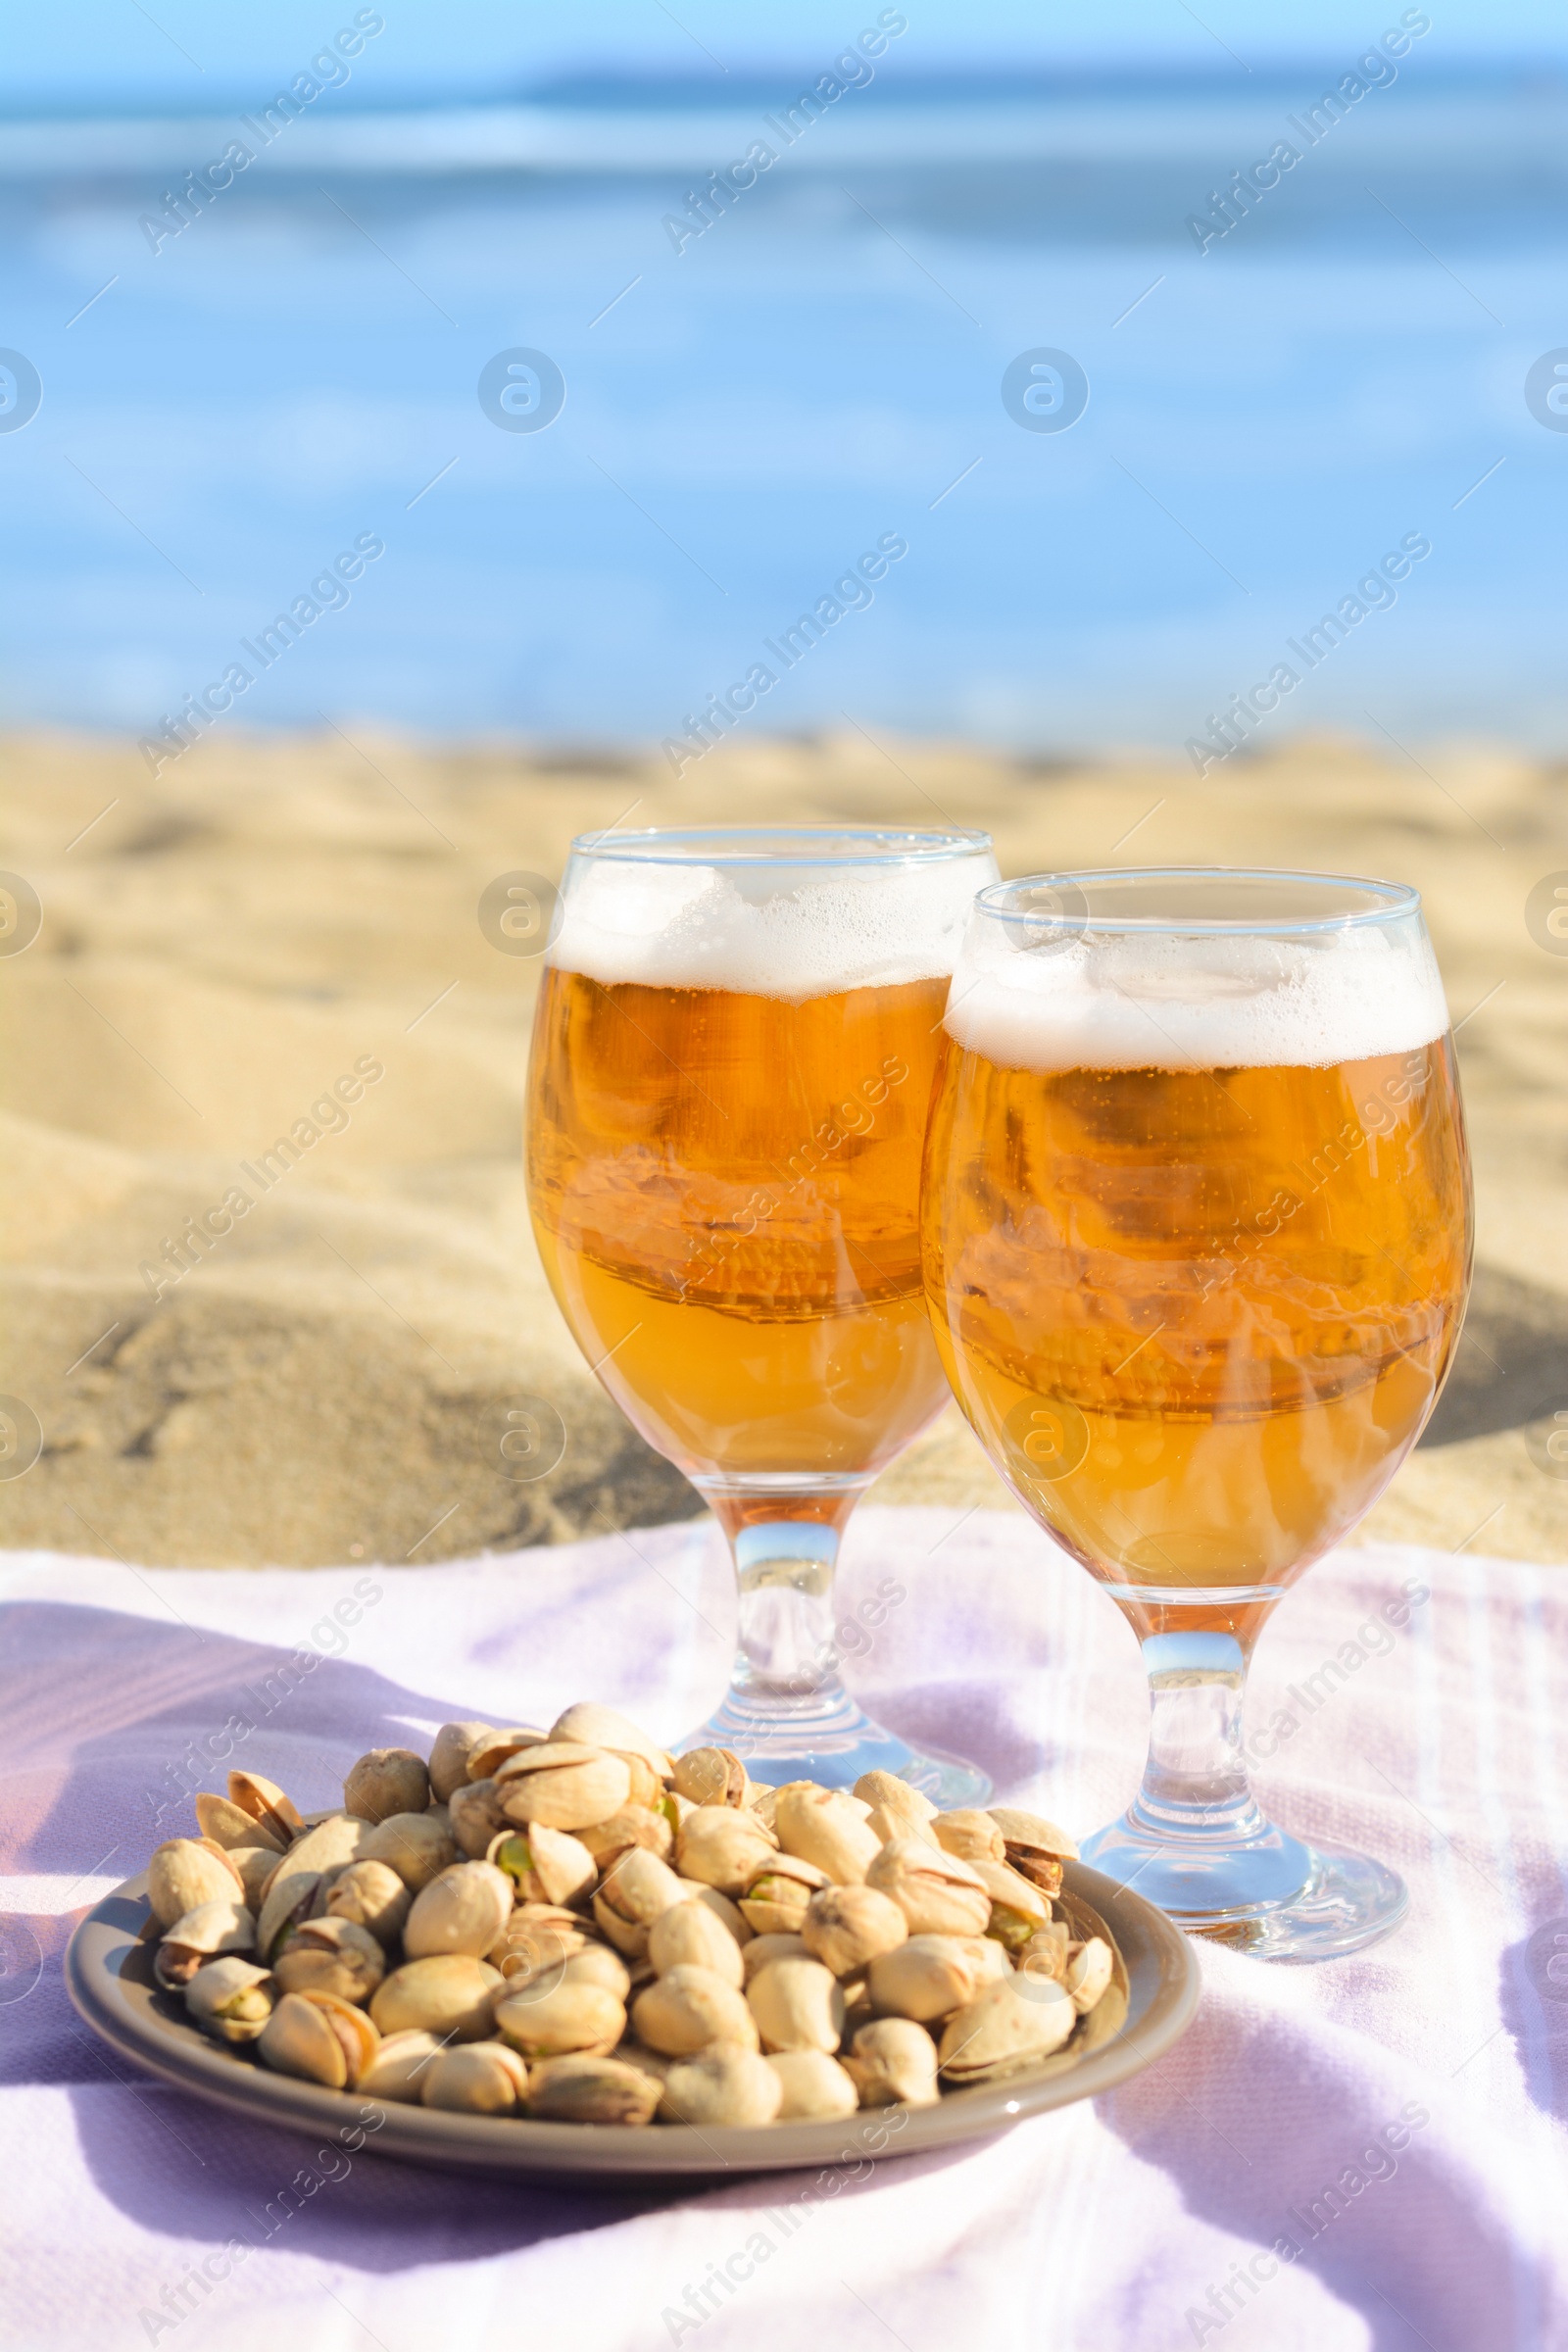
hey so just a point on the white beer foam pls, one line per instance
(1124, 1001)
(774, 930)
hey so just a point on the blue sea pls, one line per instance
(1270, 408)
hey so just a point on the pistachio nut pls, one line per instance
(419, 1846)
(463, 1910)
(1004, 2027)
(798, 2005)
(294, 1884)
(763, 1948)
(538, 1939)
(688, 1936)
(493, 1748)
(1088, 1973)
(938, 1894)
(723, 1847)
(562, 1784)
(183, 1874)
(1018, 1908)
(925, 1978)
(597, 1964)
(815, 2086)
(474, 1812)
(632, 2052)
(256, 1865)
(603, 1842)
(970, 1834)
(448, 1994)
(775, 1902)
(543, 1866)
(591, 2090)
(265, 1802)
(892, 2063)
(225, 1926)
(386, 1780)
(545, 2020)
(826, 1827)
(631, 1897)
(885, 1790)
(373, 1897)
(727, 1913)
(712, 1776)
(227, 1823)
(1046, 1953)
(397, 2069)
(591, 1725)
(330, 1955)
(319, 2039)
(230, 1998)
(725, 2084)
(848, 1927)
(480, 2078)
(690, 2007)
(449, 1756)
(992, 1965)
(1036, 1848)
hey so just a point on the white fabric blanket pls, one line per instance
(1367, 2153)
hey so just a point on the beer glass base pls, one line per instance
(827, 1737)
(1270, 1896)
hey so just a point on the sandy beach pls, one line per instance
(221, 946)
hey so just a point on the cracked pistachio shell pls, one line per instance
(334, 1843)
(419, 1846)
(970, 1834)
(712, 1776)
(449, 1994)
(896, 1799)
(492, 1750)
(925, 1978)
(562, 1784)
(938, 1894)
(230, 1998)
(1089, 1974)
(591, 2090)
(892, 2063)
(688, 1936)
(386, 1780)
(227, 1823)
(1010, 2025)
(373, 1897)
(763, 1948)
(826, 1827)
(725, 2084)
(1018, 1909)
(546, 2019)
(481, 2077)
(1031, 1833)
(603, 1842)
(476, 1818)
(1046, 1952)
(543, 1865)
(264, 1801)
(848, 1927)
(538, 1937)
(256, 1865)
(722, 1846)
(725, 1911)
(397, 2071)
(775, 1903)
(463, 1909)
(223, 1926)
(687, 2009)
(182, 1873)
(798, 2005)
(631, 1897)
(815, 2086)
(319, 2039)
(449, 1756)
(330, 1955)
(597, 1964)
(589, 1725)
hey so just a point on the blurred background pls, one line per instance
(411, 418)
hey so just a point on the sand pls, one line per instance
(223, 944)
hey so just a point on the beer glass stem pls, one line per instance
(1195, 1782)
(787, 1712)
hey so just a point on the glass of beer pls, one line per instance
(732, 1061)
(1197, 1236)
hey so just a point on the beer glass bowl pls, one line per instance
(732, 1061)
(1197, 1236)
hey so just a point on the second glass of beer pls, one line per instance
(732, 1061)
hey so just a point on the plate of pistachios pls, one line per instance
(562, 1951)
